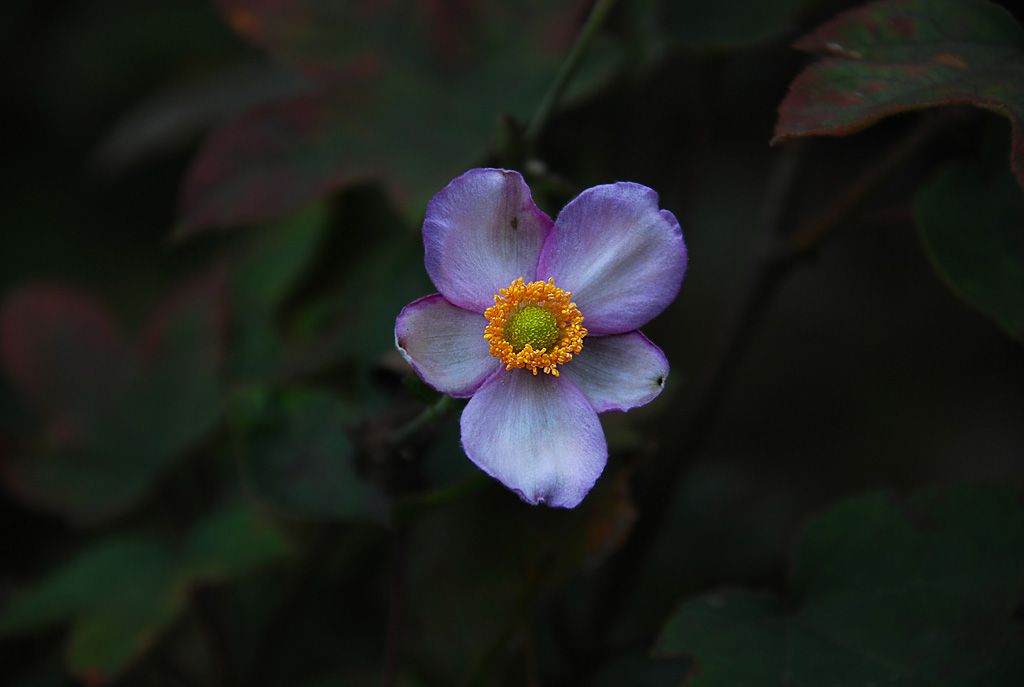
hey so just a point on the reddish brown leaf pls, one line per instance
(897, 55)
(405, 93)
(338, 41)
(60, 347)
(263, 164)
(114, 415)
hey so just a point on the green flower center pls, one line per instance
(532, 325)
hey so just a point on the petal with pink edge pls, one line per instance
(618, 372)
(536, 434)
(445, 344)
(482, 232)
(622, 258)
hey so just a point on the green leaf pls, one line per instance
(104, 641)
(120, 593)
(277, 258)
(972, 223)
(897, 55)
(177, 398)
(879, 595)
(296, 455)
(90, 582)
(737, 637)
(274, 260)
(376, 274)
(231, 543)
(698, 24)
(388, 277)
(363, 272)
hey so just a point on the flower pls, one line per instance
(502, 331)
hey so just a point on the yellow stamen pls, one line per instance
(534, 326)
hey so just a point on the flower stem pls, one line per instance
(810, 235)
(543, 113)
(396, 609)
(281, 623)
(204, 602)
(429, 414)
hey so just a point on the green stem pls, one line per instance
(483, 672)
(547, 105)
(288, 606)
(429, 414)
(811, 235)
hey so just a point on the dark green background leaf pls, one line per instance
(696, 24)
(917, 595)
(271, 264)
(488, 559)
(972, 222)
(296, 455)
(120, 593)
(736, 637)
(230, 543)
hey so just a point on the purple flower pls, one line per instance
(502, 330)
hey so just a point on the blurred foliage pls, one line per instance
(217, 470)
(295, 453)
(985, 266)
(919, 593)
(746, 23)
(115, 414)
(123, 590)
(454, 65)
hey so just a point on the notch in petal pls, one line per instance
(621, 256)
(536, 434)
(481, 232)
(445, 344)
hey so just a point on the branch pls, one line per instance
(543, 113)
(396, 610)
(773, 258)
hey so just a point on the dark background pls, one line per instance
(863, 371)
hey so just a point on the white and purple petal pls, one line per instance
(482, 232)
(445, 345)
(622, 257)
(618, 372)
(536, 434)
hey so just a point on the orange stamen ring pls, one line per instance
(534, 326)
